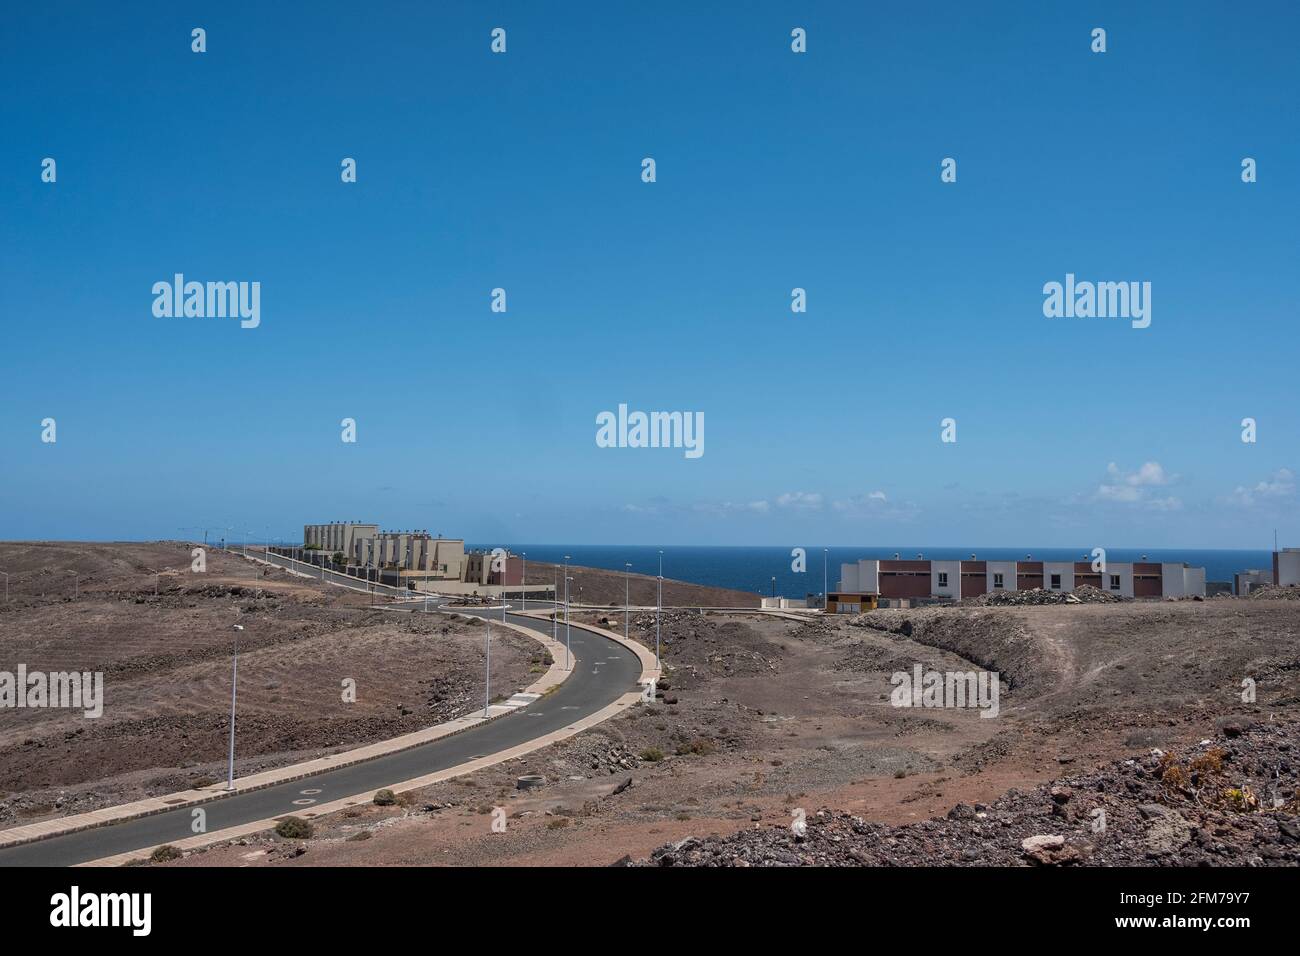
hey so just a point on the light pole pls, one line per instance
(76, 585)
(487, 669)
(659, 603)
(627, 595)
(6, 587)
(825, 582)
(555, 608)
(568, 631)
(523, 583)
(234, 690)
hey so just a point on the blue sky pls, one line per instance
(774, 171)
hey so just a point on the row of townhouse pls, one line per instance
(411, 555)
(954, 580)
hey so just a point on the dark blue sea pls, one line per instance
(753, 568)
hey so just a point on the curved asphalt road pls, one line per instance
(603, 670)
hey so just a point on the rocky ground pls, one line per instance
(1229, 801)
(763, 715)
(166, 661)
(598, 586)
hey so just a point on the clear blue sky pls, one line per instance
(775, 170)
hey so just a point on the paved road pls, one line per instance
(603, 670)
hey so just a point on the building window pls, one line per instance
(943, 579)
(1114, 582)
(1056, 582)
(997, 581)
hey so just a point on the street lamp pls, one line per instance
(825, 582)
(487, 668)
(568, 631)
(523, 583)
(659, 603)
(627, 595)
(234, 690)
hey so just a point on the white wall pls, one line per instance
(1125, 572)
(869, 576)
(1172, 583)
(849, 578)
(953, 570)
(1288, 567)
(1194, 582)
(1008, 571)
(1064, 568)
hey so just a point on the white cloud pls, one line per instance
(1133, 487)
(803, 500)
(874, 504)
(1277, 486)
(1151, 473)
(725, 508)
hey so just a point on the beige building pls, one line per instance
(337, 536)
(413, 551)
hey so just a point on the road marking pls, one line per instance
(304, 803)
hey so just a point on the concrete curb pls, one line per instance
(648, 672)
(44, 830)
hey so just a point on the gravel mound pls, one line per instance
(1270, 592)
(1084, 594)
(1229, 802)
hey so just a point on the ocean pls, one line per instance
(753, 568)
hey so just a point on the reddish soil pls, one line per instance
(770, 716)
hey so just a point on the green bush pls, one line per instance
(294, 828)
(384, 798)
(652, 755)
(165, 853)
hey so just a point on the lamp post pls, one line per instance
(76, 585)
(6, 587)
(523, 583)
(568, 631)
(659, 603)
(627, 595)
(234, 690)
(825, 582)
(487, 668)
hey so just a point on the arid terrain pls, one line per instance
(1139, 709)
(166, 660)
(598, 586)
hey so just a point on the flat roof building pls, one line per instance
(1286, 567)
(955, 580)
